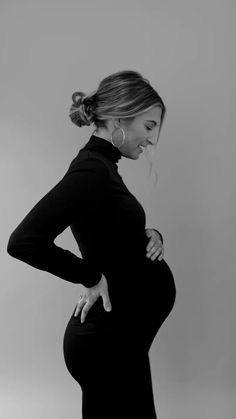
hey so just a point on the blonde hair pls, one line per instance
(124, 94)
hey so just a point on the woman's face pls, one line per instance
(143, 130)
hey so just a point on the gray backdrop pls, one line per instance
(186, 49)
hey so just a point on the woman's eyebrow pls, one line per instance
(154, 122)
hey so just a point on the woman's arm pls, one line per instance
(33, 239)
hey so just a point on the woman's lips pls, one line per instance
(140, 148)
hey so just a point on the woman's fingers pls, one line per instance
(153, 252)
(84, 306)
(90, 296)
(106, 302)
(105, 294)
(85, 310)
(79, 306)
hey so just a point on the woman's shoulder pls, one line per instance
(87, 161)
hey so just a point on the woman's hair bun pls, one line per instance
(81, 111)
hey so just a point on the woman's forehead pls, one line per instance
(153, 114)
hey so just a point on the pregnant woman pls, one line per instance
(128, 289)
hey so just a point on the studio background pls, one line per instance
(49, 49)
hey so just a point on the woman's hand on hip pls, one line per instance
(90, 295)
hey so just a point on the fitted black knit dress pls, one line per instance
(107, 354)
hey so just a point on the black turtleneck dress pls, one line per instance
(108, 353)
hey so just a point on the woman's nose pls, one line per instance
(154, 138)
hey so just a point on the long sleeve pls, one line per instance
(83, 186)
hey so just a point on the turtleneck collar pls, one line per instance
(104, 147)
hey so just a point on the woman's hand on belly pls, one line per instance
(90, 296)
(155, 247)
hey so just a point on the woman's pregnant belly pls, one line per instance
(145, 285)
(138, 309)
(142, 292)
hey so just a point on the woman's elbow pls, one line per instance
(14, 245)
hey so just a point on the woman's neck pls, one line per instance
(102, 134)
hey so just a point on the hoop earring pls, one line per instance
(123, 135)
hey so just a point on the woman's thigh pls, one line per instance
(113, 373)
(120, 390)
